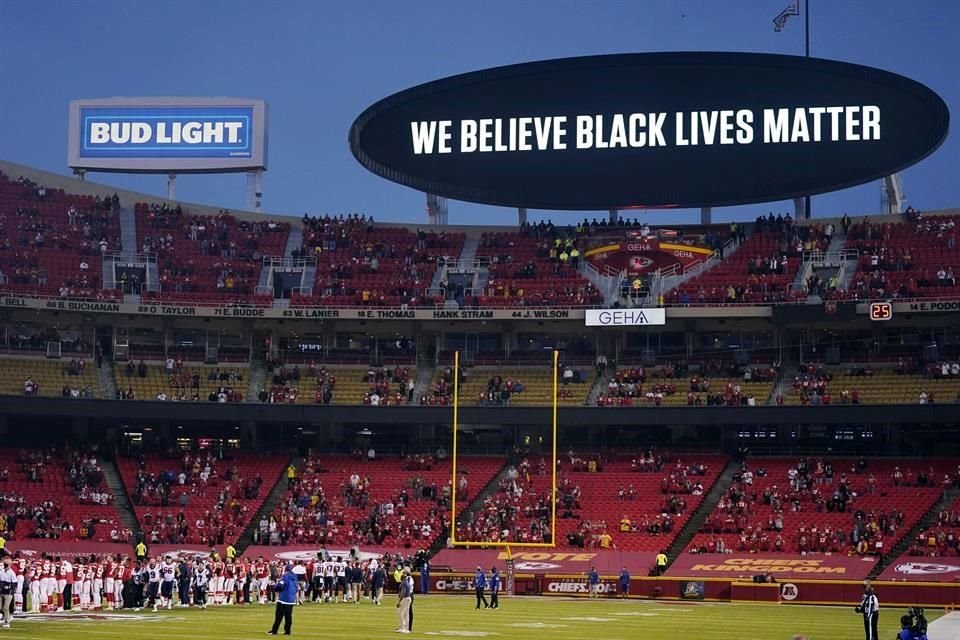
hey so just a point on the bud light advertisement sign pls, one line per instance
(196, 132)
(167, 135)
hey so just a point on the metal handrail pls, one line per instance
(120, 256)
(280, 262)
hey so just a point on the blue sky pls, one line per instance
(318, 64)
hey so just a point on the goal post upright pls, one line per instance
(553, 493)
(456, 412)
(508, 546)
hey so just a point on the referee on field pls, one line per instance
(869, 608)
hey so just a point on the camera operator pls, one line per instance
(869, 608)
(913, 626)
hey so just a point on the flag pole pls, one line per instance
(806, 29)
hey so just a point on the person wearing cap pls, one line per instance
(404, 599)
(494, 588)
(408, 578)
(286, 588)
(377, 581)
(8, 584)
(480, 583)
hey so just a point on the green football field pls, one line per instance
(455, 617)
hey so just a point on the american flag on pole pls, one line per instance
(793, 9)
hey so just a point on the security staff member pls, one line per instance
(425, 577)
(869, 608)
(140, 551)
(286, 589)
(398, 576)
(480, 583)
(494, 588)
(231, 552)
(624, 583)
(661, 563)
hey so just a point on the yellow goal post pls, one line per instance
(453, 542)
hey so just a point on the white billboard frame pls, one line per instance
(255, 161)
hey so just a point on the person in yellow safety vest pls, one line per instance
(637, 285)
(564, 257)
(731, 294)
(291, 476)
(661, 563)
(660, 300)
(231, 552)
(398, 574)
(140, 550)
(574, 256)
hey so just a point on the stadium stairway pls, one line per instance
(599, 386)
(294, 240)
(926, 521)
(265, 276)
(128, 231)
(107, 379)
(607, 285)
(469, 251)
(669, 283)
(491, 487)
(309, 276)
(258, 379)
(823, 268)
(121, 499)
(422, 384)
(699, 516)
(271, 502)
(783, 380)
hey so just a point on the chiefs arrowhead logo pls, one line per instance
(925, 568)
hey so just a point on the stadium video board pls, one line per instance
(168, 135)
(650, 130)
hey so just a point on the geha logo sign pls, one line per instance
(655, 130)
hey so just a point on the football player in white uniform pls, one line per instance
(329, 580)
(96, 596)
(81, 582)
(153, 583)
(340, 569)
(200, 582)
(168, 572)
(33, 576)
(19, 567)
(48, 582)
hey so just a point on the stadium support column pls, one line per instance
(255, 190)
(706, 215)
(799, 208)
(436, 209)
(171, 186)
(614, 216)
(522, 216)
